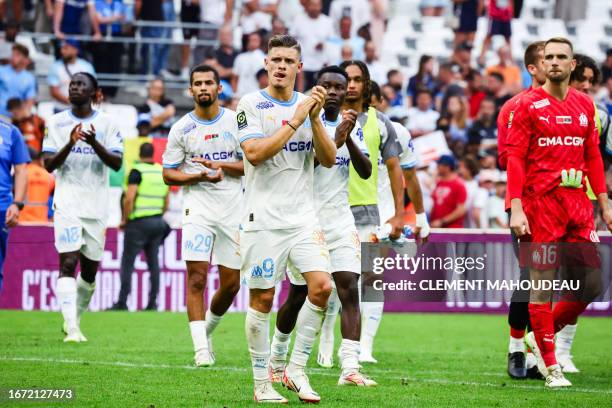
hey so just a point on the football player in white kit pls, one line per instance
(203, 155)
(81, 143)
(336, 219)
(281, 133)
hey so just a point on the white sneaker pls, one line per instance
(266, 394)
(325, 360)
(556, 379)
(356, 378)
(275, 373)
(299, 383)
(566, 363)
(530, 341)
(367, 358)
(203, 358)
(530, 360)
(73, 336)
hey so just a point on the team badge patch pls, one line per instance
(541, 104)
(242, 120)
(584, 121)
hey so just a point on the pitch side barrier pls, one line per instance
(456, 271)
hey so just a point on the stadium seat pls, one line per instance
(126, 117)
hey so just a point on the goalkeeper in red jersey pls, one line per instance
(552, 143)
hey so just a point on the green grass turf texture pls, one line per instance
(427, 360)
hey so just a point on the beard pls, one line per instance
(205, 103)
(557, 77)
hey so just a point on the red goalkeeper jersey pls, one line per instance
(548, 136)
(504, 120)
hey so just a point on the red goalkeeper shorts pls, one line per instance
(564, 215)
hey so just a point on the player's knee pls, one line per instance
(262, 301)
(322, 290)
(68, 266)
(231, 287)
(197, 282)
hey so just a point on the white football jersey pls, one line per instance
(279, 191)
(215, 140)
(82, 184)
(331, 184)
(386, 205)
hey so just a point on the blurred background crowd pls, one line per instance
(444, 69)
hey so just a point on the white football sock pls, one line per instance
(326, 340)
(565, 338)
(84, 292)
(66, 291)
(308, 326)
(349, 355)
(279, 348)
(198, 335)
(212, 321)
(371, 314)
(257, 326)
(516, 345)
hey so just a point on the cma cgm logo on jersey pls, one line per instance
(215, 155)
(360, 134)
(82, 150)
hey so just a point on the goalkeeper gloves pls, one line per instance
(571, 179)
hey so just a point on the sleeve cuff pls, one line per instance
(171, 166)
(251, 136)
(116, 150)
(49, 150)
(410, 165)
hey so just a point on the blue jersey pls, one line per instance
(14, 84)
(73, 11)
(13, 151)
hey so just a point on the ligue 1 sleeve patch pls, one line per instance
(242, 120)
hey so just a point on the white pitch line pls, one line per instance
(319, 371)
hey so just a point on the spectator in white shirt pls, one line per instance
(257, 15)
(477, 197)
(358, 10)
(496, 208)
(246, 66)
(377, 70)
(312, 30)
(422, 119)
(355, 43)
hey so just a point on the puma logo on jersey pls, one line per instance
(545, 118)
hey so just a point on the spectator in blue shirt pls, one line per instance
(67, 17)
(13, 154)
(15, 81)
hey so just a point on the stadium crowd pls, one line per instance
(452, 103)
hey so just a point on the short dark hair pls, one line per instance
(583, 62)
(497, 76)
(471, 164)
(332, 69)
(13, 103)
(532, 53)
(147, 150)
(422, 90)
(392, 72)
(375, 90)
(284, 41)
(204, 68)
(472, 74)
(22, 49)
(560, 40)
(365, 72)
(261, 73)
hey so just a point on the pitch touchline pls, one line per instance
(323, 372)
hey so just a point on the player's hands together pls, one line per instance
(519, 223)
(213, 177)
(213, 165)
(319, 94)
(349, 118)
(571, 178)
(397, 223)
(88, 136)
(302, 111)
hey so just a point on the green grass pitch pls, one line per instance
(425, 360)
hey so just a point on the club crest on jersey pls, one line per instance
(242, 120)
(541, 104)
(584, 121)
(564, 120)
(264, 105)
(189, 128)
